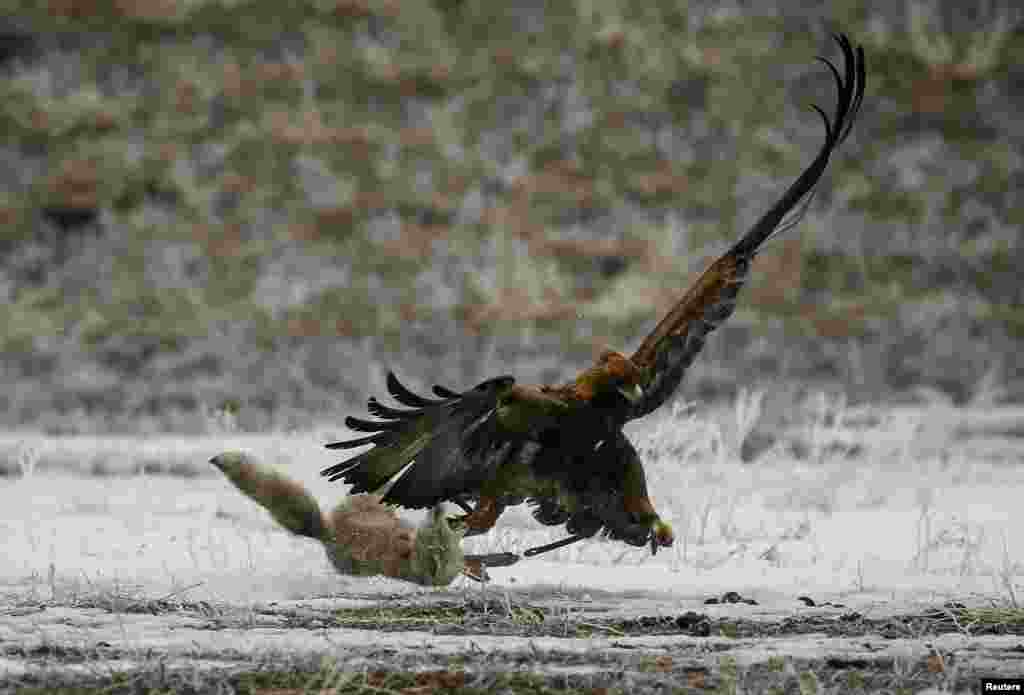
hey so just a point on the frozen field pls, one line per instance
(882, 515)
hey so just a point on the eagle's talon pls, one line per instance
(661, 536)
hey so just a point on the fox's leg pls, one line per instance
(483, 518)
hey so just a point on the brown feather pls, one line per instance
(706, 291)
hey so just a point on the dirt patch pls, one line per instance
(513, 641)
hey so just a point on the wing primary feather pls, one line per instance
(407, 397)
(670, 349)
(445, 393)
(360, 425)
(358, 442)
(859, 96)
(339, 470)
(384, 489)
(437, 450)
(824, 118)
(383, 411)
(793, 217)
(850, 95)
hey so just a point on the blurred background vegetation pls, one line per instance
(257, 207)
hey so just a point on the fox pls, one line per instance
(362, 535)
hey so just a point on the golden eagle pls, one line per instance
(561, 448)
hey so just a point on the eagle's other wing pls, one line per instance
(670, 349)
(442, 448)
(615, 502)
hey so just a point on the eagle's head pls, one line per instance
(613, 372)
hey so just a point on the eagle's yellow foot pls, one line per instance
(661, 536)
(657, 532)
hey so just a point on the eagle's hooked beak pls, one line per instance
(631, 392)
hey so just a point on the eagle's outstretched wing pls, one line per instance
(670, 349)
(442, 449)
(435, 435)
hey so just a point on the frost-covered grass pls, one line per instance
(848, 501)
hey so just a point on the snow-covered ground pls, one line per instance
(893, 510)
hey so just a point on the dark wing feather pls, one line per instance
(407, 397)
(451, 443)
(388, 413)
(356, 443)
(670, 349)
(359, 425)
(444, 393)
(597, 500)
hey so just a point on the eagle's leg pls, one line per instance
(507, 483)
(638, 504)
